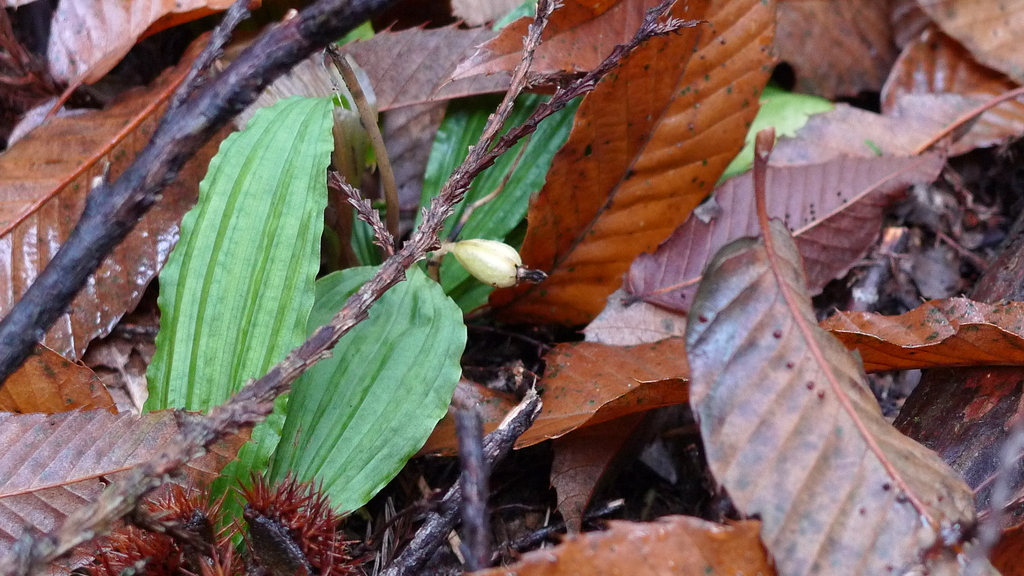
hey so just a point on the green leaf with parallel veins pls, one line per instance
(237, 289)
(354, 419)
(462, 126)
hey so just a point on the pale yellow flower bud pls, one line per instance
(489, 261)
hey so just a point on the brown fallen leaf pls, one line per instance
(939, 333)
(990, 30)
(409, 135)
(627, 320)
(907, 21)
(1007, 553)
(586, 384)
(583, 460)
(935, 63)
(836, 47)
(49, 383)
(835, 210)
(795, 435)
(89, 37)
(671, 545)
(53, 464)
(647, 146)
(415, 66)
(577, 38)
(44, 179)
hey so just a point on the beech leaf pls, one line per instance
(988, 29)
(415, 66)
(238, 287)
(680, 545)
(48, 383)
(44, 180)
(89, 37)
(587, 383)
(835, 210)
(354, 419)
(934, 63)
(836, 47)
(53, 464)
(953, 332)
(634, 167)
(795, 435)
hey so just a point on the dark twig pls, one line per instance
(440, 522)
(369, 121)
(476, 529)
(112, 210)
(382, 237)
(255, 400)
(214, 49)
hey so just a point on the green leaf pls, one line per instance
(787, 112)
(355, 418)
(462, 126)
(237, 289)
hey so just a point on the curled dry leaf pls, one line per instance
(795, 435)
(680, 545)
(836, 47)
(647, 146)
(835, 210)
(53, 464)
(415, 66)
(49, 383)
(934, 63)
(44, 180)
(89, 37)
(990, 30)
(939, 333)
(586, 384)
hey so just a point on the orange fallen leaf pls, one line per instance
(953, 332)
(934, 63)
(671, 545)
(49, 383)
(585, 384)
(44, 180)
(578, 37)
(647, 146)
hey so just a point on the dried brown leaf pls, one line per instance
(582, 460)
(939, 333)
(990, 30)
(89, 37)
(44, 180)
(647, 146)
(627, 320)
(586, 384)
(49, 383)
(578, 37)
(836, 47)
(672, 545)
(53, 464)
(835, 210)
(415, 66)
(934, 63)
(795, 435)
